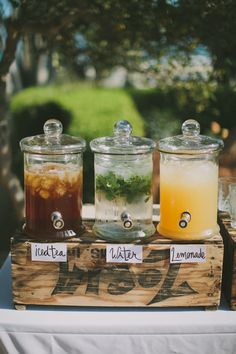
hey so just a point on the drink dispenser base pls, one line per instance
(113, 232)
(123, 185)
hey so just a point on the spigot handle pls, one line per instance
(127, 220)
(184, 219)
(57, 220)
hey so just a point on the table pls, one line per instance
(42, 329)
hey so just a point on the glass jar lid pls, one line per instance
(123, 142)
(52, 142)
(190, 142)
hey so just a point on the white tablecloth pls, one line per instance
(50, 330)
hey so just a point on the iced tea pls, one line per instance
(50, 188)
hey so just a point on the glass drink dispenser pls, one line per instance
(189, 184)
(123, 185)
(53, 169)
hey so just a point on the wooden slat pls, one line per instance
(229, 269)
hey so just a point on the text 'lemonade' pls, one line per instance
(188, 186)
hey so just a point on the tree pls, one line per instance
(105, 33)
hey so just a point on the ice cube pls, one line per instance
(44, 194)
(47, 183)
(60, 189)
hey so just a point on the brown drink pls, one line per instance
(53, 188)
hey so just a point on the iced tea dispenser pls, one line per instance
(189, 184)
(53, 168)
(123, 185)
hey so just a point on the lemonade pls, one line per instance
(188, 186)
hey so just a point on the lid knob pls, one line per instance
(122, 129)
(52, 128)
(191, 128)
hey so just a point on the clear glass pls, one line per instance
(232, 204)
(223, 193)
(53, 195)
(123, 196)
(188, 196)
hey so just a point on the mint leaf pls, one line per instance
(130, 189)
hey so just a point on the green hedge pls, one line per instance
(85, 111)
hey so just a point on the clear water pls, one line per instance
(108, 221)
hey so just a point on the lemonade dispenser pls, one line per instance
(189, 184)
(123, 185)
(53, 183)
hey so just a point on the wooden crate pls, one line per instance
(229, 268)
(86, 279)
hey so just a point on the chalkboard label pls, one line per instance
(49, 252)
(124, 253)
(187, 254)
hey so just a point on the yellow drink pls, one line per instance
(188, 186)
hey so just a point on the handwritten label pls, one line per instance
(49, 252)
(124, 253)
(187, 253)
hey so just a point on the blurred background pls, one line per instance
(88, 63)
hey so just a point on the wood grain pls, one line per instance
(229, 269)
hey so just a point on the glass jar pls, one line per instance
(123, 185)
(53, 168)
(189, 184)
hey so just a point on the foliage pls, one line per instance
(131, 188)
(222, 106)
(106, 33)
